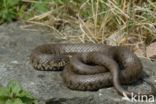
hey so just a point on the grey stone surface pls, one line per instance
(15, 47)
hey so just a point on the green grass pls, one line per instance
(8, 10)
(13, 93)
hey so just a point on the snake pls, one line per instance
(90, 67)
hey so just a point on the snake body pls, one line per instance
(89, 66)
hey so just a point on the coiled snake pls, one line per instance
(90, 66)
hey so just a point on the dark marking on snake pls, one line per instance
(90, 67)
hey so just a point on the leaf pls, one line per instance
(2, 101)
(40, 7)
(25, 94)
(14, 87)
(7, 15)
(11, 3)
(28, 100)
(4, 92)
(14, 94)
(26, 97)
(14, 101)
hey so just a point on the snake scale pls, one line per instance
(90, 66)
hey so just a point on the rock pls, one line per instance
(151, 51)
(15, 47)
